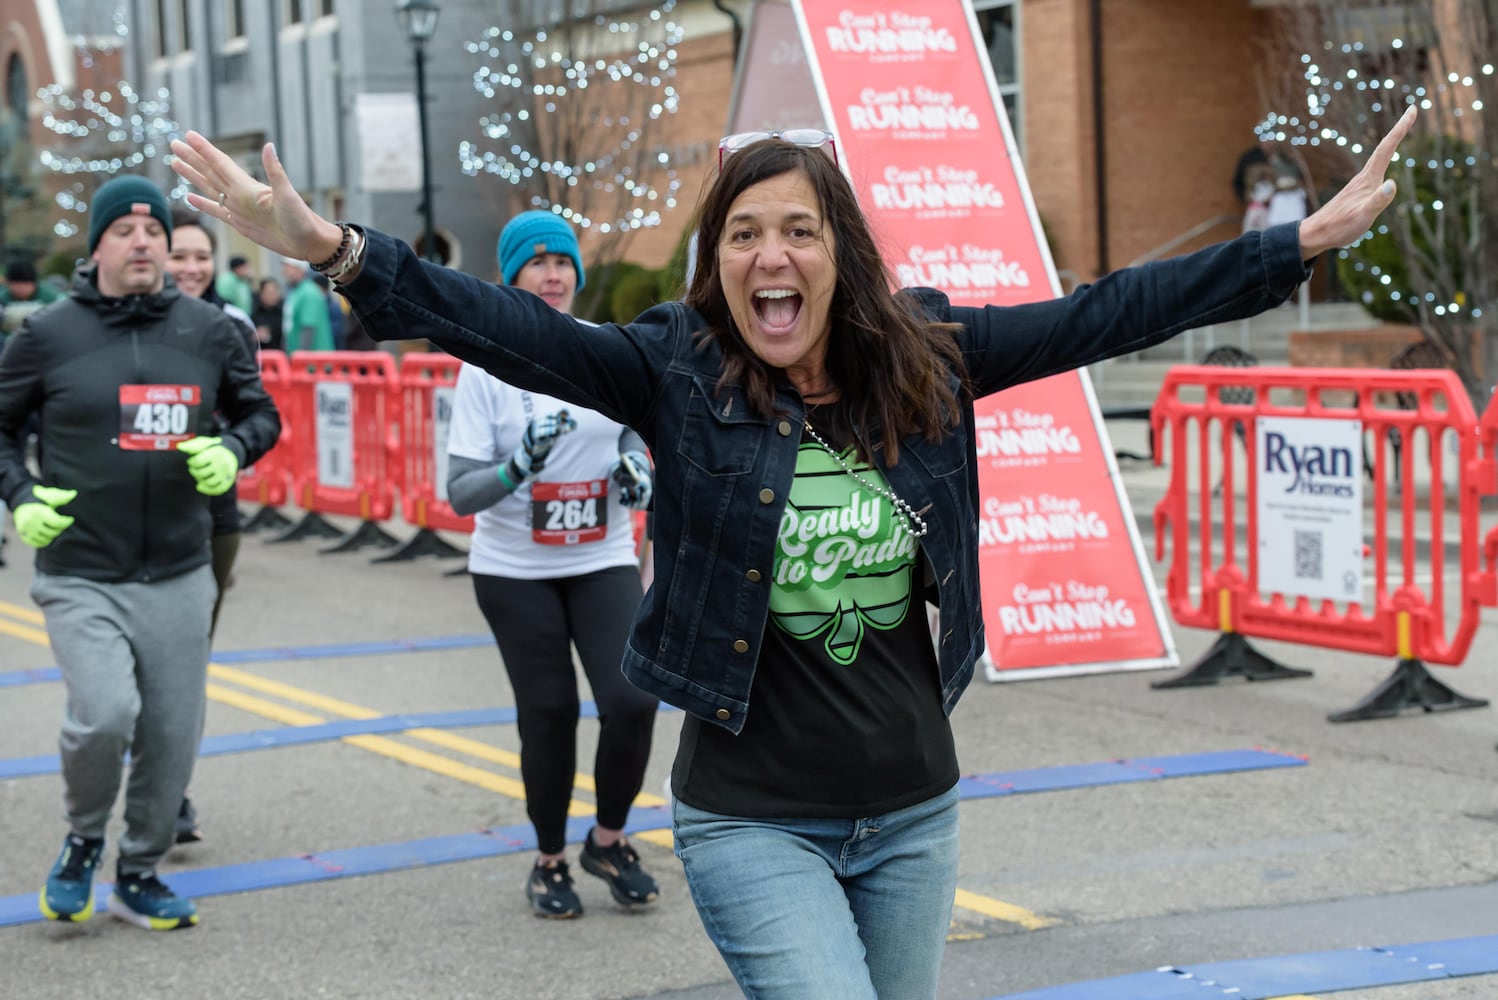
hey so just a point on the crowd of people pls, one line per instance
(794, 403)
(295, 310)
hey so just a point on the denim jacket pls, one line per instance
(723, 472)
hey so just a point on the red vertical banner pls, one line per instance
(910, 96)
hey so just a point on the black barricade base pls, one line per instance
(368, 533)
(425, 542)
(1231, 656)
(312, 525)
(1411, 685)
(267, 518)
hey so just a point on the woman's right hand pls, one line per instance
(272, 215)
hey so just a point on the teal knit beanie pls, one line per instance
(533, 233)
(121, 196)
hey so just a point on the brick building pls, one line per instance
(1130, 114)
(54, 44)
(1141, 107)
(1135, 114)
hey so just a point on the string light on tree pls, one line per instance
(1431, 260)
(612, 182)
(101, 133)
(1362, 101)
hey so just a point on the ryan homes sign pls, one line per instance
(1310, 507)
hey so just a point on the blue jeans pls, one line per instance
(847, 909)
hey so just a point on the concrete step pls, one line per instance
(1127, 383)
(1266, 336)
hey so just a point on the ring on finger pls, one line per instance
(223, 196)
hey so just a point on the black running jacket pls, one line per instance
(83, 365)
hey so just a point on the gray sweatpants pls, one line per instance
(134, 657)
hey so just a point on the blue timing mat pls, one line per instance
(440, 642)
(1316, 972)
(1122, 772)
(1044, 779)
(279, 872)
(490, 843)
(18, 677)
(228, 657)
(265, 739)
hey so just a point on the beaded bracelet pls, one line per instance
(345, 269)
(322, 267)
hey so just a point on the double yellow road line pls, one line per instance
(28, 624)
(33, 631)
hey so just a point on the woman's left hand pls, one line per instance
(1351, 211)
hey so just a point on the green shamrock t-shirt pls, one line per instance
(842, 564)
(845, 716)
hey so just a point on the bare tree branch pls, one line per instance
(579, 93)
(1352, 66)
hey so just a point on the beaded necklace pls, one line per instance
(901, 507)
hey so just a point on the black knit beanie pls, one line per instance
(122, 196)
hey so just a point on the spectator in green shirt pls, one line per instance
(233, 286)
(305, 314)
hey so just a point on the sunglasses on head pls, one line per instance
(811, 138)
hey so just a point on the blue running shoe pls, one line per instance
(69, 893)
(145, 901)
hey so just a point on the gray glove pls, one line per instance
(535, 444)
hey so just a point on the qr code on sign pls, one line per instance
(1309, 564)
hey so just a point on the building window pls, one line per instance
(324, 8)
(293, 12)
(998, 20)
(16, 90)
(235, 18)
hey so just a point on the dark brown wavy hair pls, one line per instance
(893, 368)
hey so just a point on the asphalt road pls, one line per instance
(1388, 834)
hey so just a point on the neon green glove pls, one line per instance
(211, 464)
(39, 523)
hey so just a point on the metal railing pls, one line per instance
(1195, 232)
(1209, 333)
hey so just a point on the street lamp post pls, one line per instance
(418, 19)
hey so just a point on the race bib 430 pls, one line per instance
(157, 417)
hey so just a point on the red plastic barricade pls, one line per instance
(268, 481)
(1325, 433)
(426, 388)
(1487, 484)
(344, 443)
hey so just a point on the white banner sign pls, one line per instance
(389, 142)
(442, 420)
(1310, 507)
(334, 426)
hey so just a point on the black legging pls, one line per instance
(225, 548)
(535, 623)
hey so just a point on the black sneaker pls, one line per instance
(550, 891)
(619, 865)
(186, 830)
